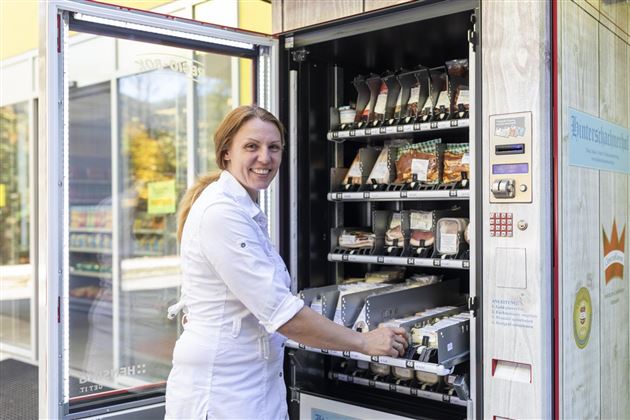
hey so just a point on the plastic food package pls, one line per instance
(394, 235)
(421, 224)
(458, 77)
(423, 279)
(384, 275)
(449, 232)
(346, 115)
(361, 165)
(356, 239)
(382, 172)
(418, 162)
(381, 102)
(456, 163)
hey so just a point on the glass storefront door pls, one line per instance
(144, 96)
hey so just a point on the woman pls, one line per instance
(228, 361)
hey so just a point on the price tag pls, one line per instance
(375, 359)
(346, 353)
(437, 263)
(353, 133)
(413, 391)
(454, 123)
(344, 257)
(382, 130)
(399, 129)
(339, 196)
(366, 195)
(392, 387)
(433, 125)
(466, 264)
(380, 260)
(368, 131)
(411, 261)
(416, 126)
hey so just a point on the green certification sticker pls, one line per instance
(582, 317)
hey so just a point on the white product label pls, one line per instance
(463, 97)
(346, 116)
(448, 243)
(449, 347)
(355, 171)
(421, 220)
(395, 222)
(347, 239)
(420, 167)
(381, 101)
(443, 100)
(379, 172)
(415, 95)
(466, 159)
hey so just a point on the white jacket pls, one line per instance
(228, 362)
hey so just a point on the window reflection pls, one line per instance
(129, 166)
(15, 268)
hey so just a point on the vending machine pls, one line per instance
(436, 178)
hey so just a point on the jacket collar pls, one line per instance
(234, 189)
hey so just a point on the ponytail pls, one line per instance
(189, 198)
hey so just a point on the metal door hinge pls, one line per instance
(295, 395)
(299, 56)
(473, 305)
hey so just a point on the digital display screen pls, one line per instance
(510, 168)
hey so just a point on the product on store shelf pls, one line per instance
(346, 115)
(394, 234)
(421, 224)
(356, 239)
(450, 231)
(383, 276)
(458, 79)
(456, 163)
(361, 166)
(381, 102)
(418, 162)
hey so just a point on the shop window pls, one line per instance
(16, 287)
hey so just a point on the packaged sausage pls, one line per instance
(381, 102)
(450, 231)
(418, 162)
(441, 101)
(456, 163)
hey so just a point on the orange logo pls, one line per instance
(614, 253)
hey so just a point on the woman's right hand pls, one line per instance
(385, 341)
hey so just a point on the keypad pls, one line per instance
(501, 225)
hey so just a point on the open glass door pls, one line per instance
(130, 101)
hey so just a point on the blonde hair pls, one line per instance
(223, 137)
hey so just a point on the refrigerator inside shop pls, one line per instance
(379, 201)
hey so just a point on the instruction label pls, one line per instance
(510, 313)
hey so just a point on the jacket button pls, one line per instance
(280, 374)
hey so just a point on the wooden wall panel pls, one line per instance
(615, 344)
(580, 209)
(615, 13)
(377, 4)
(593, 3)
(300, 13)
(276, 16)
